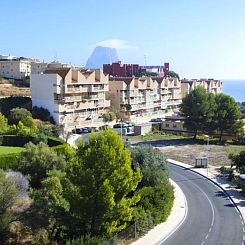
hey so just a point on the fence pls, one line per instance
(124, 237)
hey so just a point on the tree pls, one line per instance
(227, 114)
(198, 108)
(41, 113)
(19, 114)
(3, 124)
(128, 108)
(6, 104)
(153, 165)
(111, 115)
(7, 199)
(102, 183)
(238, 159)
(36, 161)
(49, 209)
(173, 74)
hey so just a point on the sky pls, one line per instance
(199, 38)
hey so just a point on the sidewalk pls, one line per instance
(177, 216)
(213, 175)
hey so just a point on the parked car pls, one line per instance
(85, 130)
(156, 120)
(119, 125)
(95, 129)
(89, 129)
(77, 131)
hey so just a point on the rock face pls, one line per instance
(100, 56)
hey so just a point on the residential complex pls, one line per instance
(211, 85)
(144, 96)
(12, 67)
(75, 98)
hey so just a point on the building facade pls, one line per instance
(144, 96)
(211, 85)
(14, 68)
(120, 70)
(75, 98)
(40, 67)
(129, 70)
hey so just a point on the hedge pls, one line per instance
(52, 141)
(20, 141)
(14, 140)
(7, 160)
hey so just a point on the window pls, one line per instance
(167, 125)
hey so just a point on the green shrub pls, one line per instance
(157, 200)
(89, 240)
(144, 220)
(8, 160)
(226, 171)
(156, 127)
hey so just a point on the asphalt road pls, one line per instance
(211, 217)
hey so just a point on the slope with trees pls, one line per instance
(88, 194)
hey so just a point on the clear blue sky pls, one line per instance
(200, 38)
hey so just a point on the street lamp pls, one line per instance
(207, 136)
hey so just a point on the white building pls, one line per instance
(211, 85)
(40, 67)
(75, 98)
(14, 68)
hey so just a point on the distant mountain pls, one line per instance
(100, 56)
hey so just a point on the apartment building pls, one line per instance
(40, 67)
(12, 67)
(75, 98)
(211, 85)
(143, 96)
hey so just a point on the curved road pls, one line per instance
(211, 218)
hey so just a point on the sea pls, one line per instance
(234, 88)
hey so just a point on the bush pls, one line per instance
(226, 171)
(143, 219)
(158, 201)
(156, 127)
(89, 240)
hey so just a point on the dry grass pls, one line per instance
(217, 154)
(14, 91)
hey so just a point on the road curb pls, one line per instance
(211, 180)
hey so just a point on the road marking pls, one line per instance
(226, 194)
